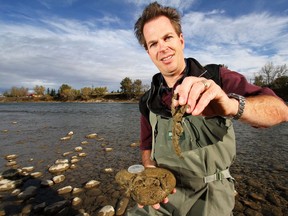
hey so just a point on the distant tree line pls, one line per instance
(274, 77)
(129, 90)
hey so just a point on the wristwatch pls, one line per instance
(241, 106)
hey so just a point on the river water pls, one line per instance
(33, 131)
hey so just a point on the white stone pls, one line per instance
(15, 192)
(78, 149)
(27, 169)
(58, 179)
(76, 160)
(61, 161)
(11, 163)
(108, 170)
(91, 136)
(65, 138)
(76, 201)
(82, 154)
(91, 184)
(36, 174)
(58, 167)
(11, 157)
(73, 166)
(65, 190)
(6, 184)
(77, 190)
(84, 142)
(70, 133)
(108, 149)
(47, 182)
(67, 153)
(107, 210)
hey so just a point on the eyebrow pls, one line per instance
(154, 41)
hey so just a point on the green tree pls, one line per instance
(39, 90)
(17, 92)
(137, 87)
(67, 93)
(126, 86)
(259, 80)
(86, 93)
(100, 91)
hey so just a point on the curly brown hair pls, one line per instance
(151, 12)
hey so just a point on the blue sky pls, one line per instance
(85, 43)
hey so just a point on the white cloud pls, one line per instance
(69, 51)
(243, 43)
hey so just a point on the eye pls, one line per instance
(169, 37)
(152, 45)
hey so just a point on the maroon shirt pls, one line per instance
(232, 82)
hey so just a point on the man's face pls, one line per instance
(164, 46)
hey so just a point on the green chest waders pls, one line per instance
(204, 184)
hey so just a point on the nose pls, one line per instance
(162, 46)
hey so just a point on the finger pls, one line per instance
(173, 191)
(156, 206)
(195, 94)
(203, 102)
(166, 200)
(140, 206)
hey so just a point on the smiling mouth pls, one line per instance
(167, 58)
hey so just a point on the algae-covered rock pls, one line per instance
(148, 187)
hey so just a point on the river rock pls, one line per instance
(36, 174)
(27, 169)
(76, 201)
(61, 161)
(56, 168)
(149, 187)
(58, 179)
(74, 160)
(77, 190)
(91, 136)
(47, 183)
(91, 184)
(64, 190)
(67, 153)
(108, 149)
(27, 193)
(11, 163)
(82, 154)
(107, 210)
(78, 149)
(84, 142)
(6, 184)
(70, 133)
(55, 207)
(108, 170)
(122, 206)
(65, 138)
(27, 209)
(11, 157)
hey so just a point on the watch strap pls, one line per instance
(241, 106)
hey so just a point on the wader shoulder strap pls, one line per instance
(153, 123)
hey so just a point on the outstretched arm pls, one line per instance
(205, 97)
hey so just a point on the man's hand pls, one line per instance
(204, 97)
(157, 205)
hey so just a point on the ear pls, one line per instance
(181, 37)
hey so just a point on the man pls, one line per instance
(212, 96)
